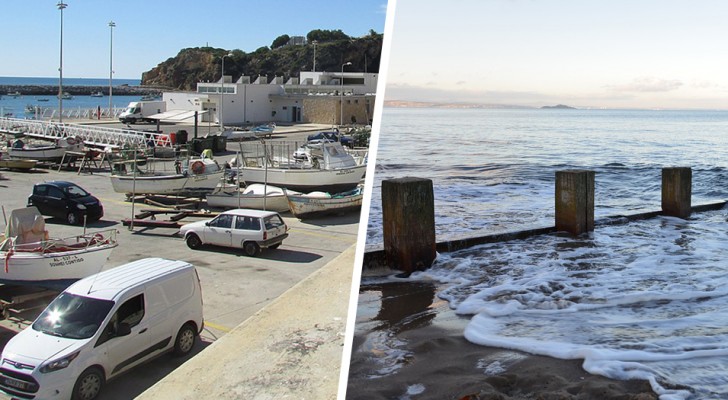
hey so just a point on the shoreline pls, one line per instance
(76, 90)
(408, 344)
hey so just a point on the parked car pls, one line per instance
(102, 326)
(65, 200)
(331, 136)
(250, 230)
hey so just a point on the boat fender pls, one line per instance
(198, 167)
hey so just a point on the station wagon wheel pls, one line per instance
(72, 218)
(185, 340)
(194, 242)
(89, 384)
(251, 249)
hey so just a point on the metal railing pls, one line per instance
(91, 135)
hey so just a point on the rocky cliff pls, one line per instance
(201, 64)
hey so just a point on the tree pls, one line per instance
(280, 41)
(326, 35)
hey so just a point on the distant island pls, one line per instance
(560, 107)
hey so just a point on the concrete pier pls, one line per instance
(575, 201)
(677, 191)
(408, 212)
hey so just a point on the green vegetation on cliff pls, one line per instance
(333, 49)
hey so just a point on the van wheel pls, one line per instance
(89, 384)
(185, 340)
(275, 246)
(72, 218)
(251, 249)
(194, 242)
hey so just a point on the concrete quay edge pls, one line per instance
(292, 348)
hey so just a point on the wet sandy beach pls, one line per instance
(408, 344)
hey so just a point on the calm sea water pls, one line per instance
(643, 300)
(42, 81)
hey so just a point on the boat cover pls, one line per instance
(26, 225)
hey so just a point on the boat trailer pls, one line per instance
(17, 299)
(148, 218)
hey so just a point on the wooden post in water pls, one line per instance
(676, 191)
(575, 201)
(408, 211)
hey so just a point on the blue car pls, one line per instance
(331, 136)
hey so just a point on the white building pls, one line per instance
(319, 97)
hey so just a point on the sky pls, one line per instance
(148, 32)
(656, 54)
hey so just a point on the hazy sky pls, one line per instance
(588, 53)
(150, 31)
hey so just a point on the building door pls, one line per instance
(295, 114)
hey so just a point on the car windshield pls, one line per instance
(72, 316)
(273, 221)
(75, 191)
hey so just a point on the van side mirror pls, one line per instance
(207, 223)
(124, 329)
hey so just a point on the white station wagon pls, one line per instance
(250, 230)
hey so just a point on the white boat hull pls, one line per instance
(276, 202)
(55, 270)
(166, 184)
(309, 207)
(54, 154)
(307, 180)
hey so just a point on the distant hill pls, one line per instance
(333, 49)
(560, 107)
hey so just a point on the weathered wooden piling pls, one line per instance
(408, 212)
(677, 191)
(575, 201)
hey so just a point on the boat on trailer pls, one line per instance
(199, 176)
(256, 196)
(334, 171)
(318, 204)
(30, 257)
(44, 152)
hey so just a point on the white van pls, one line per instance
(102, 326)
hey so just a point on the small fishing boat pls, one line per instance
(23, 165)
(197, 177)
(335, 171)
(44, 152)
(30, 257)
(97, 94)
(256, 196)
(318, 204)
(66, 96)
(264, 130)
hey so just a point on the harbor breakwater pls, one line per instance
(77, 90)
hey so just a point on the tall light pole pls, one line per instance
(314, 55)
(222, 88)
(341, 93)
(61, 5)
(111, 67)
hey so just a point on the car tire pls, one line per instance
(72, 218)
(89, 384)
(193, 241)
(251, 249)
(185, 340)
(275, 246)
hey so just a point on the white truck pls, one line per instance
(140, 111)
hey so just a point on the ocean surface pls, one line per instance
(44, 106)
(647, 299)
(41, 81)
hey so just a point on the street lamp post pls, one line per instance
(314, 55)
(111, 67)
(222, 88)
(341, 93)
(61, 5)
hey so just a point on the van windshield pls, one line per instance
(72, 316)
